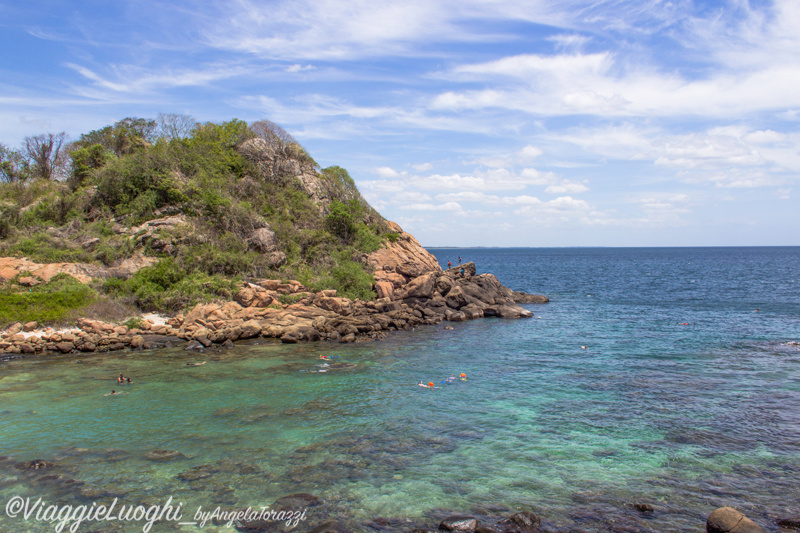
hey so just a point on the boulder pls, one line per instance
(790, 522)
(30, 326)
(522, 522)
(264, 240)
(729, 520)
(65, 347)
(525, 298)
(457, 316)
(456, 299)
(250, 329)
(340, 306)
(137, 341)
(277, 259)
(421, 287)
(459, 523)
(507, 311)
(469, 269)
(384, 289)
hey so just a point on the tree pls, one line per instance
(13, 165)
(124, 137)
(174, 126)
(84, 160)
(277, 138)
(45, 154)
(343, 219)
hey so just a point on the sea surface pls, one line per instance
(655, 375)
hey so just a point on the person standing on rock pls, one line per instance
(459, 259)
(449, 264)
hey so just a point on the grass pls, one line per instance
(56, 301)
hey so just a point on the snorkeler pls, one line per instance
(429, 385)
(463, 377)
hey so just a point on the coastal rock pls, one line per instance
(65, 347)
(522, 522)
(421, 286)
(459, 523)
(137, 341)
(403, 255)
(729, 520)
(507, 311)
(469, 269)
(789, 523)
(384, 289)
(250, 329)
(525, 298)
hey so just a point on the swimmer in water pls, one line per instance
(195, 364)
(429, 385)
(113, 393)
(451, 379)
(121, 379)
(463, 377)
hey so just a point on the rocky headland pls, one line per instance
(412, 290)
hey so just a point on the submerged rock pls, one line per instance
(160, 456)
(789, 523)
(522, 522)
(729, 520)
(459, 523)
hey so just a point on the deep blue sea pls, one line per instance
(654, 375)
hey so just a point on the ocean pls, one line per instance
(660, 376)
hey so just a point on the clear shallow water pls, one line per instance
(684, 417)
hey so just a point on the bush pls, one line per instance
(166, 286)
(59, 299)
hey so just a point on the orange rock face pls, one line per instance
(404, 257)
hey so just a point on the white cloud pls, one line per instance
(299, 68)
(386, 172)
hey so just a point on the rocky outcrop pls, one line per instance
(400, 260)
(291, 313)
(11, 267)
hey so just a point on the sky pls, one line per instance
(469, 123)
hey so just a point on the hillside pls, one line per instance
(224, 203)
(230, 229)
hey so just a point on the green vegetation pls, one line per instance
(63, 297)
(85, 201)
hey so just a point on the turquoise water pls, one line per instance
(684, 417)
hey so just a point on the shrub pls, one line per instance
(59, 299)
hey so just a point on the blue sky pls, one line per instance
(493, 123)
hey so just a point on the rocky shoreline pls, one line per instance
(288, 312)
